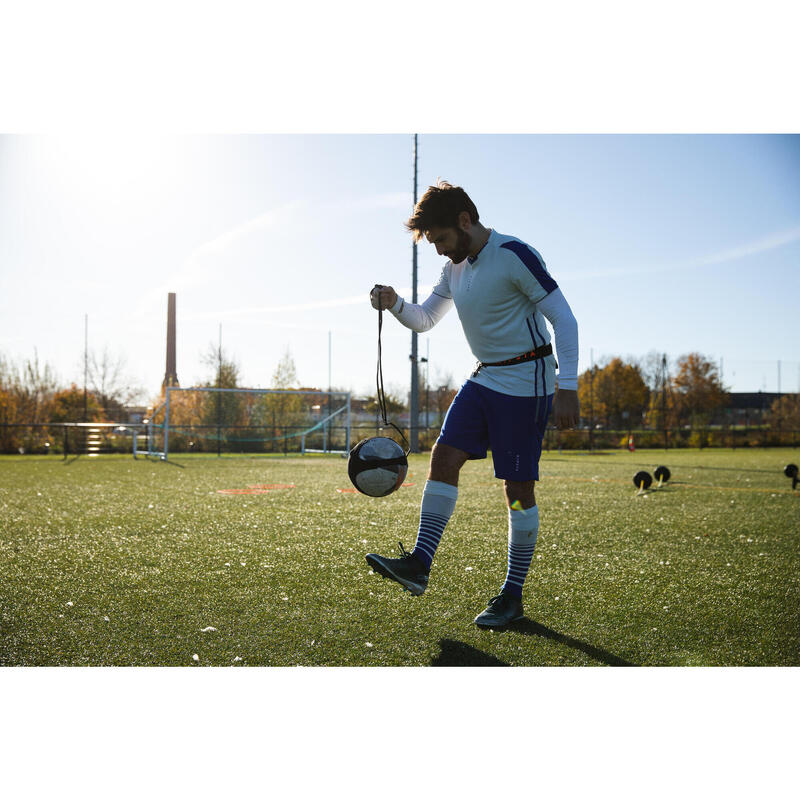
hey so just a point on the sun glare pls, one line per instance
(115, 166)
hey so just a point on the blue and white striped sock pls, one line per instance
(438, 502)
(523, 530)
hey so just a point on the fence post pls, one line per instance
(166, 425)
(348, 423)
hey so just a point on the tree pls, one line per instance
(282, 411)
(26, 396)
(784, 413)
(221, 409)
(68, 406)
(615, 393)
(107, 380)
(395, 402)
(33, 387)
(698, 389)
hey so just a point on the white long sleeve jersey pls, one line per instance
(502, 298)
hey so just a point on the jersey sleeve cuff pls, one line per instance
(398, 306)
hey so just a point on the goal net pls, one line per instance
(209, 420)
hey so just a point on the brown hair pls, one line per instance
(439, 207)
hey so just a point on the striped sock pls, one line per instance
(523, 530)
(438, 502)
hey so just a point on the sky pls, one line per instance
(668, 243)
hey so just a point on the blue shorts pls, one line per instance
(512, 427)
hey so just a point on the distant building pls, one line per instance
(135, 414)
(747, 408)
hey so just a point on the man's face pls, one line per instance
(452, 243)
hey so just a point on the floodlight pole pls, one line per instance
(413, 421)
(219, 395)
(85, 365)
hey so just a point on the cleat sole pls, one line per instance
(378, 567)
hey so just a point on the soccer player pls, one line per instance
(502, 293)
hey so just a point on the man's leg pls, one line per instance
(523, 530)
(438, 499)
(463, 436)
(516, 430)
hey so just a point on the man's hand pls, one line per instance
(565, 409)
(382, 297)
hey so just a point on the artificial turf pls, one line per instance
(114, 561)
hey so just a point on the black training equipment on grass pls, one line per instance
(377, 466)
(662, 474)
(642, 480)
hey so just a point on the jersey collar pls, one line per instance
(483, 249)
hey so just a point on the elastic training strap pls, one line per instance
(380, 392)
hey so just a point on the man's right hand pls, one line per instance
(382, 297)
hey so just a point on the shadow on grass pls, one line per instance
(459, 654)
(531, 628)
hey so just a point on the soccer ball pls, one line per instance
(377, 466)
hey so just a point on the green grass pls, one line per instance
(113, 561)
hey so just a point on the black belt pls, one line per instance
(531, 355)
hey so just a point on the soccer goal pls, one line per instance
(201, 419)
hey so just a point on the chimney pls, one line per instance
(171, 376)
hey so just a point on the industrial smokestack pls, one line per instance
(171, 375)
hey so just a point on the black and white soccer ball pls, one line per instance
(377, 466)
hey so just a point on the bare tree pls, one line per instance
(110, 384)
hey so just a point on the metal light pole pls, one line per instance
(219, 395)
(85, 365)
(414, 409)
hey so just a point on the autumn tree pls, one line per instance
(68, 406)
(26, 397)
(615, 393)
(784, 413)
(697, 388)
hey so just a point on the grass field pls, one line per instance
(112, 561)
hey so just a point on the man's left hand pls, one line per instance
(566, 414)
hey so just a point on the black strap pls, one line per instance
(531, 355)
(380, 393)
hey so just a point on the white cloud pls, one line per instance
(770, 242)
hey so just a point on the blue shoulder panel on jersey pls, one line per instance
(533, 263)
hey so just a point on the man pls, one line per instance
(502, 293)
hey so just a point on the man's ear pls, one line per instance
(464, 222)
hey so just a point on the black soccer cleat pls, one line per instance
(407, 570)
(501, 611)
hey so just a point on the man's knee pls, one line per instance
(521, 492)
(446, 463)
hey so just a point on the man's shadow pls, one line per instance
(458, 654)
(531, 628)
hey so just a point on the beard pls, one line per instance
(462, 248)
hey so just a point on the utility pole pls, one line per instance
(591, 399)
(664, 397)
(219, 395)
(328, 412)
(85, 366)
(413, 421)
